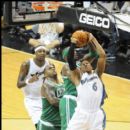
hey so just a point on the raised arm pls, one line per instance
(97, 50)
(75, 73)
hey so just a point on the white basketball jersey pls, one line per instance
(33, 90)
(90, 92)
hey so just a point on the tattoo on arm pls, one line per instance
(22, 75)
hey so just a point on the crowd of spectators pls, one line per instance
(56, 36)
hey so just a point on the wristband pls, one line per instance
(27, 81)
(93, 54)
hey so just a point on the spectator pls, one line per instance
(49, 34)
(126, 8)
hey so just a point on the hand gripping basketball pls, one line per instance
(80, 38)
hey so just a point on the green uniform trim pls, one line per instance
(70, 88)
(93, 54)
(67, 102)
(65, 52)
(67, 109)
(50, 118)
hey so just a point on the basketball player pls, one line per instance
(30, 81)
(68, 101)
(88, 113)
(51, 91)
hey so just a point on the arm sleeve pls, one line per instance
(70, 57)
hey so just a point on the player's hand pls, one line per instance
(33, 79)
(91, 37)
(74, 40)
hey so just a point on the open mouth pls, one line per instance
(41, 57)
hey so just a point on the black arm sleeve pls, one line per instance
(70, 57)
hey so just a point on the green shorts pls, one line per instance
(42, 125)
(67, 107)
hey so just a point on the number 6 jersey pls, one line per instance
(90, 92)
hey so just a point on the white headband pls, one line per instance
(40, 47)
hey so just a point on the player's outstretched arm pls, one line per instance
(97, 49)
(75, 73)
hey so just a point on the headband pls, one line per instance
(39, 47)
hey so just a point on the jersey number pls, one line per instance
(94, 86)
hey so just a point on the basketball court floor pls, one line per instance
(15, 117)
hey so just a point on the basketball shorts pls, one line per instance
(67, 107)
(87, 121)
(43, 125)
(34, 108)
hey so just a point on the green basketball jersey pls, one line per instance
(70, 88)
(59, 90)
(50, 113)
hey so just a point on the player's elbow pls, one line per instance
(53, 102)
(102, 54)
(19, 85)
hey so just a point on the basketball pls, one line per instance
(82, 37)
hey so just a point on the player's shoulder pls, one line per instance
(48, 61)
(26, 63)
(49, 84)
(65, 66)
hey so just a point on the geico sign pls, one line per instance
(94, 20)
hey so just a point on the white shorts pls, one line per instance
(34, 108)
(87, 121)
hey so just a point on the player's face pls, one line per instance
(40, 54)
(86, 66)
(51, 71)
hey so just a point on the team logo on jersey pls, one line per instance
(84, 81)
(88, 80)
(59, 92)
(37, 73)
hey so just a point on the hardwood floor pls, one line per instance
(117, 106)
